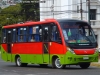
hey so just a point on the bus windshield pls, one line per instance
(78, 33)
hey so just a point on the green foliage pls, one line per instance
(12, 9)
(19, 13)
(10, 15)
(30, 10)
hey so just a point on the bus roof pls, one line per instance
(70, 20)
(30, 23)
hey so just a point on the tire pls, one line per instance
(56, 64)
(18, 62)
(43, 65)
(84, 65)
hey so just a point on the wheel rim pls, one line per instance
(57, 63)
(18, 61)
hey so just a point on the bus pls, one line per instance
(55, 42)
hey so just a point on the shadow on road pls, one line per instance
(68, 67)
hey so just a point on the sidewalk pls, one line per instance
(97, 64)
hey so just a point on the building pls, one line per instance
(63, 9)
(75, 9)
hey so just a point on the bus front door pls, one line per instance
(9, 40)
(46, 55)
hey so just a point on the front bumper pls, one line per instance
(76, 59)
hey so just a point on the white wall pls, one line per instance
(65, 8)
(60, 9)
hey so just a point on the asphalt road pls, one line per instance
(7, 68)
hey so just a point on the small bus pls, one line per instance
(56, 42)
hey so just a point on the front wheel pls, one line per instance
(84, 65)
(56, 64)
(18, 62)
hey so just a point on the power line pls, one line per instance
(64, 5)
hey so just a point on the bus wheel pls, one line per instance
(19, 64)
(84, 65)
(56, 64)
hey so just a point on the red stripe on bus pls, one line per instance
(84, 51)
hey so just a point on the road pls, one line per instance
(7, 68)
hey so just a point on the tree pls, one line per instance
(30, 8)
(10, 15)
(20, 12)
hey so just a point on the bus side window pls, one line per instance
(31, 35)
(14, 35)
(34, 34)
(46, 33)
(55, 35)
(4, 36)
(22, 34)
(25, 34)
(40, 33)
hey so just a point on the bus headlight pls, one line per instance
(71, 50)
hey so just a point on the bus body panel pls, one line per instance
(34, 48)
(3, 52)
(67, 58)
(27, 48)
(56, 48)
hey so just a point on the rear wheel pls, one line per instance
(84, 65)
(56, 64)
(18, 62)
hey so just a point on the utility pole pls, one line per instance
(88, 11)
(52, 8)
(81, 10)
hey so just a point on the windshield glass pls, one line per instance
(77, 32)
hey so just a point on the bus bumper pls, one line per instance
(76, 59)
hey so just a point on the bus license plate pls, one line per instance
(85, 58)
